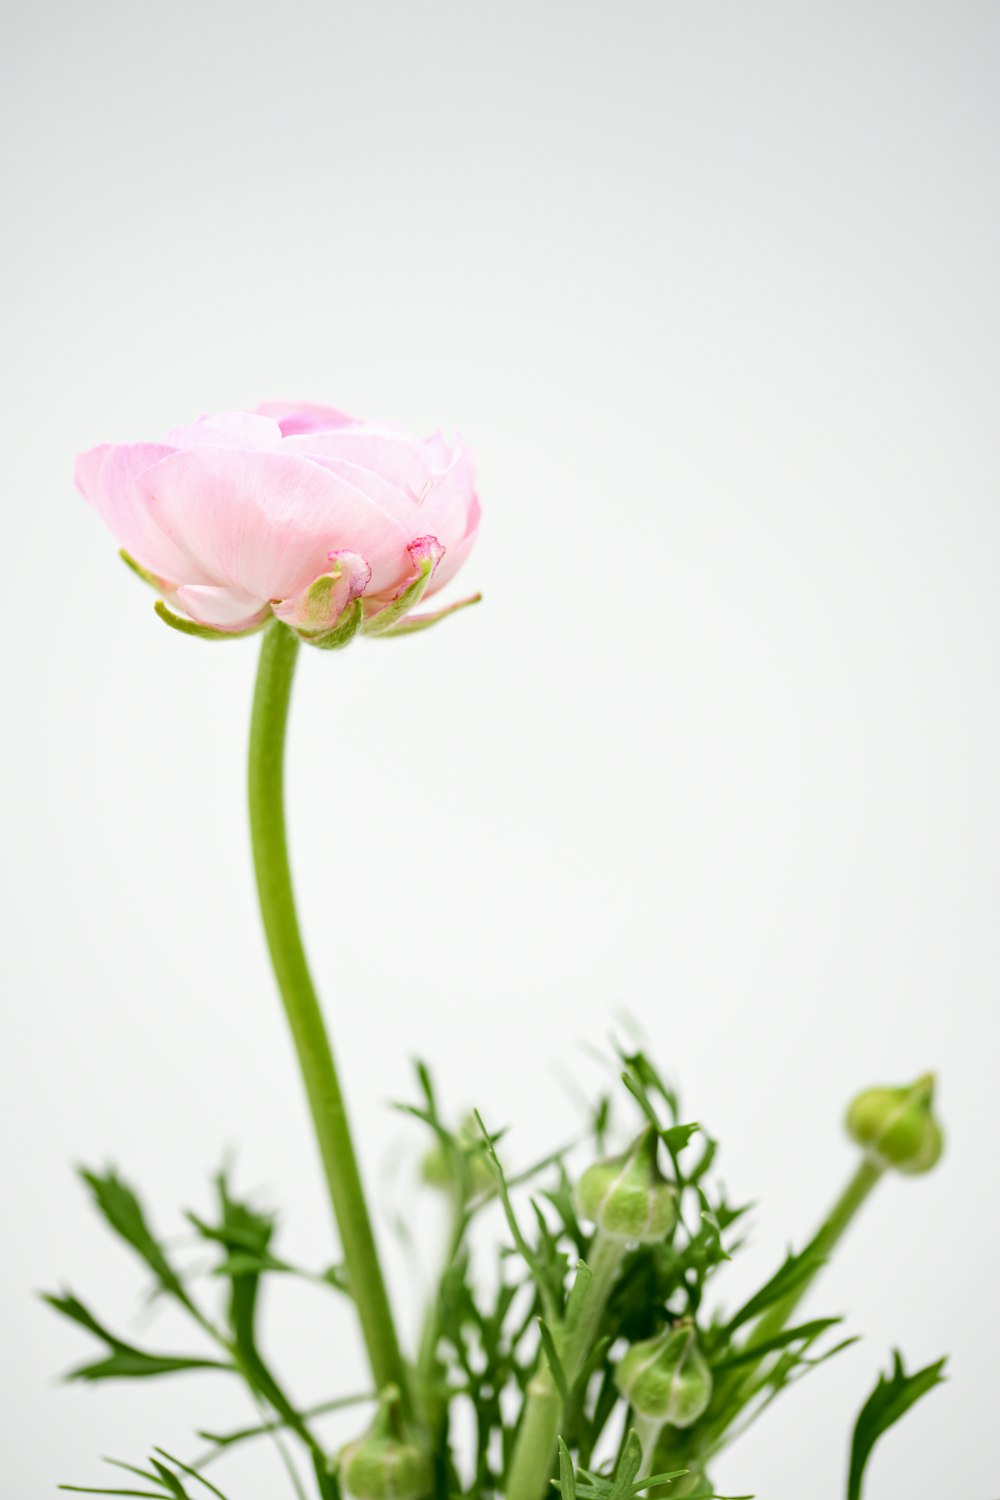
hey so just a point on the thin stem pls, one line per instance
(647, 1430)
(822, 1243)
(278, 652)
(733, 1393)
(535, 1448)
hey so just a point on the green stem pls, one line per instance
(279, 648)
(823, 1243)
(535, 1449)
(733, 1393)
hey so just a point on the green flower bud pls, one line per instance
(628, 1196)
(667, 1379)
(438, 1168)
(897, 1126)
(384, 1464)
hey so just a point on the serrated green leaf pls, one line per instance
(124, 1361)
(627, 1468)
(889, 1401)
(123, 1212)
(751, 1352)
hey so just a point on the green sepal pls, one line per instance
(140, 572)
(411, 595)
(343, 632)
(414, 623)
(203, 632)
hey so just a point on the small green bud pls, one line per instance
(667, 1379)
(897, 1126)
(385, 1464)
(628, 1196)
(438, 1167)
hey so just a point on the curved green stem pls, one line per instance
(326, 1102)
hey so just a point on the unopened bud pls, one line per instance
(628, 1196)
(385, 1464)
(667, 1379)
(897, 1126)
(440, 1170)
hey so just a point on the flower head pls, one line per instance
(326, 522)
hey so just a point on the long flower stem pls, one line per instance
(535, 1449)
(732, 1395)
(279, 648)
(822, 1243)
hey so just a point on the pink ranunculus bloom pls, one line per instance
(293, 509)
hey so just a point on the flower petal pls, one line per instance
(264, 523)
(303, 416)
(224, 609)
(108, 477)
(228, 429)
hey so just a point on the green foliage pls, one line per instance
(889, 1401)
(527, 1307)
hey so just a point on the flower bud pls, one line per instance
(897, 1126)
(628, 1196)
(385, 1465)
(438, 1167)
(667, 1379)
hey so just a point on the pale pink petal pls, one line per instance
(449, 507)
(408, 464)
(303, 416)
(265, 523)
(225, 609)
(107, 477)
(455, 555)
(228, 429)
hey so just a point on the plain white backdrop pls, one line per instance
(713, 291)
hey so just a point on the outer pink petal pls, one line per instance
(225, 609)
(227, 429)
(456, 553)
(304, 416)
(449, 506)
(265, 523)
(108, 477)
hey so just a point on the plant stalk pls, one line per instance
(279, 649)
(535, 1449)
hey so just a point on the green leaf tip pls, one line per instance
(889, 1401)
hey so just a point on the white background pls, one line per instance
(712, 289)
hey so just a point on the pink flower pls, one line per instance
(329, 523)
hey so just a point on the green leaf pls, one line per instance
(124, 1361)
(185, 1469)
(555, 1363)
(123, 1212)
(567, 1474)
(540, 1272)
(627, 1468)
(793, 1271)
(751, 1352)
(889, 1401)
